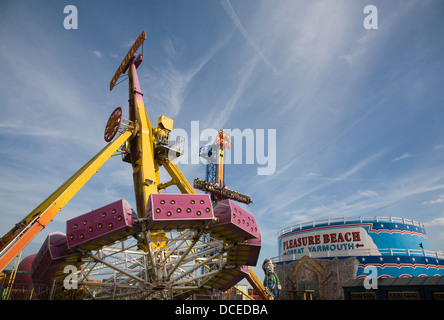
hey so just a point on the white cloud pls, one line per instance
(169, 86)
(220, 118)
(391, 193)
(19, 128)
(298, 196)
(403, 157)
(369, 193)
(312, 175)
(169, 47)
(439, 200)
(98, 54)
(437, 222)
(239, 26)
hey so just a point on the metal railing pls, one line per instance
(347, 220)
(363, 252)
(170, 144)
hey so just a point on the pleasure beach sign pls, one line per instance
(327, 241)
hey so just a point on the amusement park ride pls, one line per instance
(214, 182)
(174, 246)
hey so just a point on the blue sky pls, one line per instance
(358, 113)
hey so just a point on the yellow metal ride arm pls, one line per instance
(22, 234)
(143, 149)
(177, 177)
(258, 286)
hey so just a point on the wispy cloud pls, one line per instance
(169, 85)
(26, 130)
(49, 101)
(344, 176)
(437, 222)
(369, 194)
(312, 175)
(439, 200)
(402, 157)
(97, 53)
(219, 118)
(391, 193)
(239, 26)
(347, 174)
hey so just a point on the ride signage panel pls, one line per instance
(127, 58)
(328, 241)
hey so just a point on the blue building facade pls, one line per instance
(384, 246)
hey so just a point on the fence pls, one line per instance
(348, 220)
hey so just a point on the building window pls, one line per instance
(438, 295)
(402, 295)
(362, 296)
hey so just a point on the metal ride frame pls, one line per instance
(146, 265)
(128, 273)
